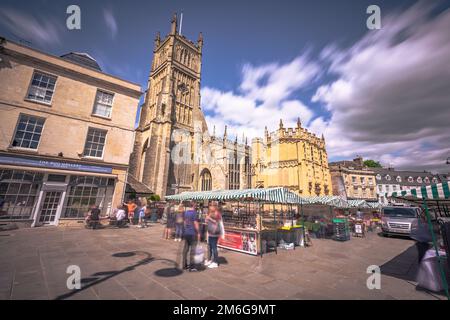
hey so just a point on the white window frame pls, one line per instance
(30, 86)
(95, 104)
(17, 127)
(86, 141)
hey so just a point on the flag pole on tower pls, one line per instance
(181, 22)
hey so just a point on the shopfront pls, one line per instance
(47, 192)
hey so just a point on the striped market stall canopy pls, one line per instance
(374, 205)
(358, 204)
(438, 191)
(272, 195)
(334, 201)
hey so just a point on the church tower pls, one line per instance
(170, 115)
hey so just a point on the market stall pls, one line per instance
(435, 202)
(256, 221)
(327, 217)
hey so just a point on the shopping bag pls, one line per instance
(222, 230)
(199, 254)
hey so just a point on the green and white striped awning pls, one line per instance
(272, 195)
(334, 201)
(355, 203)
(435, 191)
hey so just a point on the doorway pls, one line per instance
(49, 209)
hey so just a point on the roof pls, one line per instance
(83, 59)
(404, 175)
(135, 186)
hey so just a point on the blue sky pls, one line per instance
(282, 59)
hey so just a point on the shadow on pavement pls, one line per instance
(103, 276)
(404, 266)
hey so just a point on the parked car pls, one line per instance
(398, 220)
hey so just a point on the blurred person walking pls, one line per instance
(179, 221)
(191, 236)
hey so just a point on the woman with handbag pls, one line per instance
(215, 230)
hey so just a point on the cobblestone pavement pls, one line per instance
(133, 263)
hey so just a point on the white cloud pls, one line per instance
(391, 98)
(110, 22)
(265, 95)
(35, 29)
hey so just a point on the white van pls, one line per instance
(398, 220)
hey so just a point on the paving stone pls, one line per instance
(137, 264)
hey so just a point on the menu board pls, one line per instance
(241, 241)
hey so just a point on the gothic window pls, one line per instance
(248, 171)
(206, 180)
(234, 173)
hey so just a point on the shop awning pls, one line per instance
(272, 195)
(439, 191)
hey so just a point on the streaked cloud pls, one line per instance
(388, 100)
(265, 95)
(111, 22)
(40, 30)
(391, 98)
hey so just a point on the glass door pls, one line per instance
(49, 209)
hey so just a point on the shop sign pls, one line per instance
(51, 164)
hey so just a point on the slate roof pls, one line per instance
(83, 59)
(404, 175)
(135, 186)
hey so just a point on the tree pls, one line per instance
(372, 164)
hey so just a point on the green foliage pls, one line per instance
(154, 197)
(372, 164)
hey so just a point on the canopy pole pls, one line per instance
(303, 224)
(260, 229)
(276, 228)
(433, 236)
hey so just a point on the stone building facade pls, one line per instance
(66, 133)
(292, 158)
(353, 180)
(173, 150)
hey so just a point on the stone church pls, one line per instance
(293, 158)
(173, 150)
